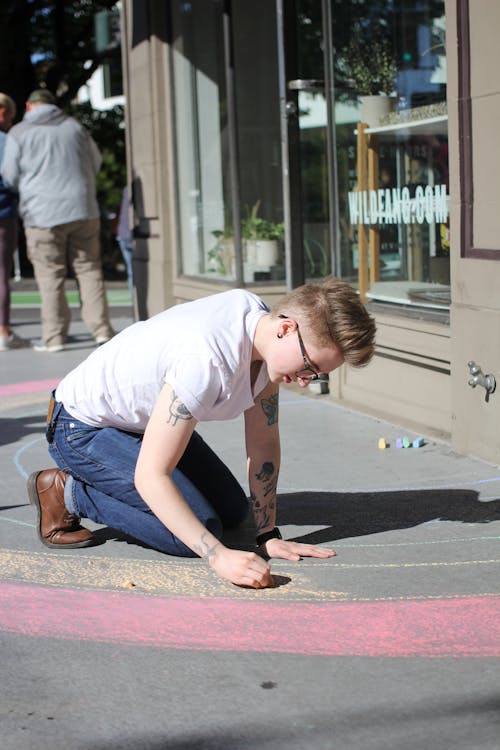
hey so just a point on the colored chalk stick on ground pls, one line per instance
(382, 444)
(399, 442)
(418, 442)
(406, 442)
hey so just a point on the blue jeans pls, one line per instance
(101, 462)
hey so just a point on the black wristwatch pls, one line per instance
(263, 538)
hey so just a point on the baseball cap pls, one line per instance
(41, 95)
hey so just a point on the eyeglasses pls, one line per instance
(309, 372)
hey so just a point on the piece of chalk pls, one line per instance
(382, 444)
(406, 442)
(399, 442)
(418, 442)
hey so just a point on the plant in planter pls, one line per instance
(372, 67)
(256, 228)
(372, 71)
(261, 238)
(261, 243)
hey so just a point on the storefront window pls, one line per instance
(369, 102)
(200, 127)
(259, 140)
(392, 149)
(212, 169)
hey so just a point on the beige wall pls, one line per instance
(147, 90)
(475, 281)
(408, 381)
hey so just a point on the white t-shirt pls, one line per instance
(202, 349)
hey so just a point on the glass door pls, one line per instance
(366, 190)
(391, 152)
(308, 148)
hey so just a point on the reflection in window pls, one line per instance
(393, 213)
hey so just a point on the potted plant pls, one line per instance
(262, 238)
(372, 70)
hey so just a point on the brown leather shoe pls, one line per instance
(57, 528)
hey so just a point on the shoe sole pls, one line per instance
(35, 502)
(15, 344)
(48, 349)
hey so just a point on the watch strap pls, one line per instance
(263, 538)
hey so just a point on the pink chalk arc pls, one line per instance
(456, 627)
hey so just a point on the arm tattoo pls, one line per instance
(264, 509)
(270, 408)
(261, 512)
(267, 476)
(203, 549)
(177, 410)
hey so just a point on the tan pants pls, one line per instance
(51, 250)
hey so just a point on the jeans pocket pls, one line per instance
(77, 433)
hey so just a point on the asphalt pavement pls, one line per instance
(391, 644)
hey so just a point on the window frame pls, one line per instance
(467, 247)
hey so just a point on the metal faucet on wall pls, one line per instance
(479, 378)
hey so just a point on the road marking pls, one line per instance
(26, 299)
(31, 386)
(465, 627)
(432, 564)
(419, 543)
(17, 458)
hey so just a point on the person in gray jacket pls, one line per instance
(52, 161)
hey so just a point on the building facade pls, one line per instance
(274, 142)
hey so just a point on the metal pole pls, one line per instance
(290, 150)
(234, 165)
(284, 141)
(331, 141)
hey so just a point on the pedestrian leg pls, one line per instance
(46, 249)
(85, 259)
(8, 237)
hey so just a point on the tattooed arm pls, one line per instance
(263, 452)
(165, 439)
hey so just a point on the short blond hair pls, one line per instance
(7, 103)
(332, 311)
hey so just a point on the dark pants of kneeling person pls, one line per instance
(101, 464)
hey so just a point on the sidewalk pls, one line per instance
(393, 643)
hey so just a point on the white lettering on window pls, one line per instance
(429, 204)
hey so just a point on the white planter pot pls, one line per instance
(375, 107)
(262, 253)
